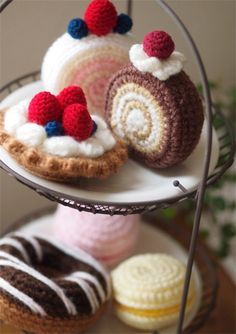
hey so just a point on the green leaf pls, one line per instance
(228, 230)
(204, 233)
(224, 249)
(169, 213)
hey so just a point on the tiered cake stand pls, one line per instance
(137, 189)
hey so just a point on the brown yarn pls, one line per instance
(24, 320)
(63, 169)
(182, 109)
(55, 264)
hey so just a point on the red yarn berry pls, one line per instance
(158, 44)
(44, 108)
(77, 122)
(100, 17)
(71, 95)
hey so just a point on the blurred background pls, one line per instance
(28, 27)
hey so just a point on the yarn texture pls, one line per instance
(38, 296)
(100, 17)
(77, 122)
(77, 28)
(44, 108)
(54, 129)
(71, 95)
(108, 239)
(148, 289)
(124, 24)
(161, 121)
(158, 44)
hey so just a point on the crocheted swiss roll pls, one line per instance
(154, 105)
(56, 137)
(48, 287)
(89, 53)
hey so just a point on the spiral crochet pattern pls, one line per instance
(88, 63)
(161, 121)
(108, 239)
(148, 289)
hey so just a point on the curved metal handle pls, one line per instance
(207, 156)
(4, 4)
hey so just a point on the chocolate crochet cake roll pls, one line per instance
(154, 106)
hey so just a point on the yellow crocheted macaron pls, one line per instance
(147, 291)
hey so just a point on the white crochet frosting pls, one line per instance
(161, 69)
(34, 135)
(88, 63)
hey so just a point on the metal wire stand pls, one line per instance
(226, 159)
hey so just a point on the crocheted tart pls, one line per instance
(147, 290)
(47, 287)
(89, 53)
(57, 139)
(153, 105)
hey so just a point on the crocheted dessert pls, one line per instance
(108, 239)
(47, 287)
(56, 138)
(148, 289)
(89, 53)
(153, 105)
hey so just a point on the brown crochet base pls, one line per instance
(63, 169)
(182, 109)
(13, 315)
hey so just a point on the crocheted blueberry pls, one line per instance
(94, 128)
(101, 17)
(77, 28)
(71, 95)
(77, 122)
(158, 44)
(54, 129)
(124, 24)
(44, 108)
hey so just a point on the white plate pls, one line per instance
(134, 183)
(153, 241)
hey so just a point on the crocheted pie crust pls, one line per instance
(160, 121)
(62, 169)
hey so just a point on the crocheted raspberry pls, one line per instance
(71, 95)
(158, 44)
(44, 108)
(77, 122)
(100, 17)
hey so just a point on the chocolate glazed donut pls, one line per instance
(160, 120)
(46, 287)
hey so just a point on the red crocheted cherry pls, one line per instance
(77, 122)
(71, 95)
(100, 17)
(158, 44)
(44, 108)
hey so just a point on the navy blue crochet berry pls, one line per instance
(124, 24)
(77, 28)
(94, 128)
(54, 128)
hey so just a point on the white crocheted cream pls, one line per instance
(161, 69)
(88, 63)
(34, 135)
(148, 289)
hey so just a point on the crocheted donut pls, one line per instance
(153, 105)
(46, 287)
(89, 59)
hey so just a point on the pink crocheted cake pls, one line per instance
(89, 53)
(108, 239)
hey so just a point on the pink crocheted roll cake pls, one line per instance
(108, 239)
